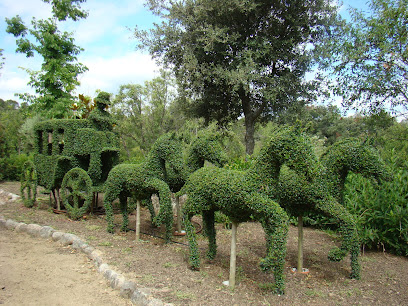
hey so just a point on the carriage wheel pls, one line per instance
(76, 192)
(28, 188)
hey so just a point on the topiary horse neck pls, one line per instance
(287, 146)
(351, 154)
(166, 153)
(241, 195)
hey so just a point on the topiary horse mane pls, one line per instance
(243, 195)
(142, 180)
(325, 194)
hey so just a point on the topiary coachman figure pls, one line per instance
(242, 196)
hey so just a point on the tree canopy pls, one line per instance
(55, 82)
(368, 57)
(238, 57)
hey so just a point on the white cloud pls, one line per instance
(109, 73)
(13, 83)
(109, 52)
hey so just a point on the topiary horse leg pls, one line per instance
(124, 209)
(108, 199)
(275, 221)
(165, 215)
(209, 228)
(148, 202)
(350, 240)
(194, 259)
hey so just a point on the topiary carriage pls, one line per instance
(74, 156)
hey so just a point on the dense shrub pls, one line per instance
(12, 166)
(381, 211)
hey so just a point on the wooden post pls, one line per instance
(178, 208)
(137, 220)
(300, 244)
(233, 260)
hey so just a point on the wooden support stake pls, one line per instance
(178, 207)
(300, 244)
(137, 220)
(233, 260)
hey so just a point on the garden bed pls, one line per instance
(163, 269)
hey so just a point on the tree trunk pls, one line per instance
(251, 115)
(300, 245)
(137, 220)
(233, 260)
(249, 135)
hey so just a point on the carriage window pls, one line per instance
(49, 144)
(83, 161)
(40, 141)
(60, 141)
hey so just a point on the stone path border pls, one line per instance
(128, 289)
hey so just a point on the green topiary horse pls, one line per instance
(241, 195)
(203, 148)
(325, 194)
(142, 180)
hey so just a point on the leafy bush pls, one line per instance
(382, 211)
(12, 166)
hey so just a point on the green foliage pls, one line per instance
(367, 57)
(63, 9)
(64, 144)
(28, 187)
(245, 195)
(144, 112)
(238, 57)
(326, 195)
(381, 210)
(87, 145)
(58, 77)
(11, 166)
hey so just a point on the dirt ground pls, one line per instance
(38, 272)
(163, 269)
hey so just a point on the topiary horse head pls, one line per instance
(352, 154)
(142, 180)
(205, 147)
(243, 196)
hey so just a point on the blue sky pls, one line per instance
(109, 53)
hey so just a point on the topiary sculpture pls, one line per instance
(205, 147)
(241, 195)
(142, 180)
(325, 194)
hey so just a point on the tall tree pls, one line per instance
(144, 112)
(238, 57)
(368, 58)
(58, 77)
